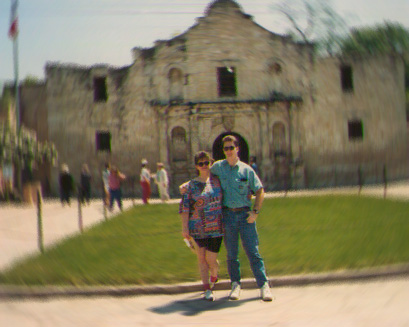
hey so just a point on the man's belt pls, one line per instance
(237, 209)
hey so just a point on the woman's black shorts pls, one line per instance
(211, 244)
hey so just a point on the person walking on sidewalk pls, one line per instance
(85, 179)
(66, 182)
(201, 213)
(105, 181)
(115, 192)
(145, 182)
(162, 180)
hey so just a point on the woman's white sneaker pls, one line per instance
(209, 296)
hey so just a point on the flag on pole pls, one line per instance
(13, 30)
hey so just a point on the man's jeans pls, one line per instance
(235, 225)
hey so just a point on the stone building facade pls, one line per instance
(308, 121)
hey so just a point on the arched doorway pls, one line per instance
(218, 153)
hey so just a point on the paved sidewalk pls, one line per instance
(19, 225)
(376, 303)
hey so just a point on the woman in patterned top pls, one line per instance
(201, 213)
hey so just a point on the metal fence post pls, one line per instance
(40, 223)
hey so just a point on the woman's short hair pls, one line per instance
(230, 138)
(202, 155)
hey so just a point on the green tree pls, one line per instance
(31, 80)
(314, 21)
(381, 38)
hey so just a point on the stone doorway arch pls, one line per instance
(218, 153)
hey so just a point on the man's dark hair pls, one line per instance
(230, 138)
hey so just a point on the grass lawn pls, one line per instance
(297, 235)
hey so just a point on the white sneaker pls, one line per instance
(208, 295)
(235, 291)
(266, 292)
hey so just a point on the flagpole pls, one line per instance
(13, 33)
(16, 83)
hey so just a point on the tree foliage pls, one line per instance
(314, 21)
(22, 147)
(382, 38)
(31, 80)
(379, 39)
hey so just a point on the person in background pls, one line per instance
(201, 212)
(162, 180)
(85, 179)
(115, 193)
(66, 184)
(105, 181)
(145, 182)
(253, 165)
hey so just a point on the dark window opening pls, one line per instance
(100, 89)
(347, 79)
(355, 130)
(276, 68)
(103, 140)
(227, 81)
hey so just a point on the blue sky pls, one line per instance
(87, 32)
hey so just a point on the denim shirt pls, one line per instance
(237, 183)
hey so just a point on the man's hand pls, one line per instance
(252, 217)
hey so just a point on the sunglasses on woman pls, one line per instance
(203, 163)
(229, 148)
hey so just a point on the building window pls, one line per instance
(226, 81)
(279, 139)
(347, 78)
(275, 68)
(355, 130)
(179, 144)
(100, 89)
(103, 141)
(176, 82)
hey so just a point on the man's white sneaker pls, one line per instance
(266, 293)
(235, 291)
(209, 296)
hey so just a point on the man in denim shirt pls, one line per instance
(238, 180)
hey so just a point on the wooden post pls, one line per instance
(360, 180)
(104, 208)
(80, 225)
(40, 223)
(385, 181)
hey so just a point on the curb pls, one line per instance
(40, 292)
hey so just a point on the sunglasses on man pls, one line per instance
(229, 148)
(203, 163)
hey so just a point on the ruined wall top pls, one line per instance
(223, 5)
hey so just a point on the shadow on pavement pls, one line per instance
(196, 305)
